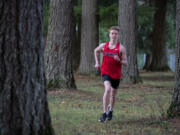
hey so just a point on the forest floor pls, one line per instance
(140, 109)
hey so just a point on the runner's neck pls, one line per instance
(112, 44)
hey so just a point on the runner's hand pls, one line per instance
(97, 66)
(117, 58)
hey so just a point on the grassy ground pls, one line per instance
(140, 109)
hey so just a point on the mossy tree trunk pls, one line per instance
(59, 71)
(23, 98)
(127, 23)
(174, 109)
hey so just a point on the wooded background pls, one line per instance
(43, 43)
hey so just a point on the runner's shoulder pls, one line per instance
(102, 44)
(122, 48)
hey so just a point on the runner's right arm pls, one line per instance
(97, 50)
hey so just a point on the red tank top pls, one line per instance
(110, 66)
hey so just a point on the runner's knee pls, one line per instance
(113, 93)
(108, 89)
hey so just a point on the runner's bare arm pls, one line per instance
(123, 55)
(97, 50)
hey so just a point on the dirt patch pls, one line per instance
(86, 77)
(175, 123)
(74, 94)
(158, 78)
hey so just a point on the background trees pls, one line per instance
(89, 36)
(108, 16)
(127, 24)
(174, 110)
(23, 100)
(59, 70)
(159, 51)
(77, 36)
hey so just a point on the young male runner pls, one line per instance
(114, 56)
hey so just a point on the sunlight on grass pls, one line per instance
(139, 109)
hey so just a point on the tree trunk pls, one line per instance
(159, 52)
(127, 23)
(23, 100)
(147, 61)
(174, 109)
(59, 70)
(89, 36)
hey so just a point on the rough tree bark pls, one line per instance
(59, 71)
(159, 52)
(23, 100)
(127, 23)
(174, 109)
(89, 36)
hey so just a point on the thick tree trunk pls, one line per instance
(59, 70)
(174, 109)
(23, 100)
(89, 36)
(127, 23)
(159, 52)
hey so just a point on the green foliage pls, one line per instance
(170, 110)
(145, 20)
(103, 34)
(108, 15)
(145, 14)
(171, 25)
(78, 2)
(171, 32)
(106, 3)
(144, 27)
(77, 12)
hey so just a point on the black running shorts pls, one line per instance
(114, 82)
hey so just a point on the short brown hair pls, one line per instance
(114, 28)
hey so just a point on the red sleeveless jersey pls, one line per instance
(110, 66)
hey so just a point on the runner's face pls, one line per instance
(114, 34)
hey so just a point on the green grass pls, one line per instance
(140, 109)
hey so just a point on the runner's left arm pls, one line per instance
(123, 55)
